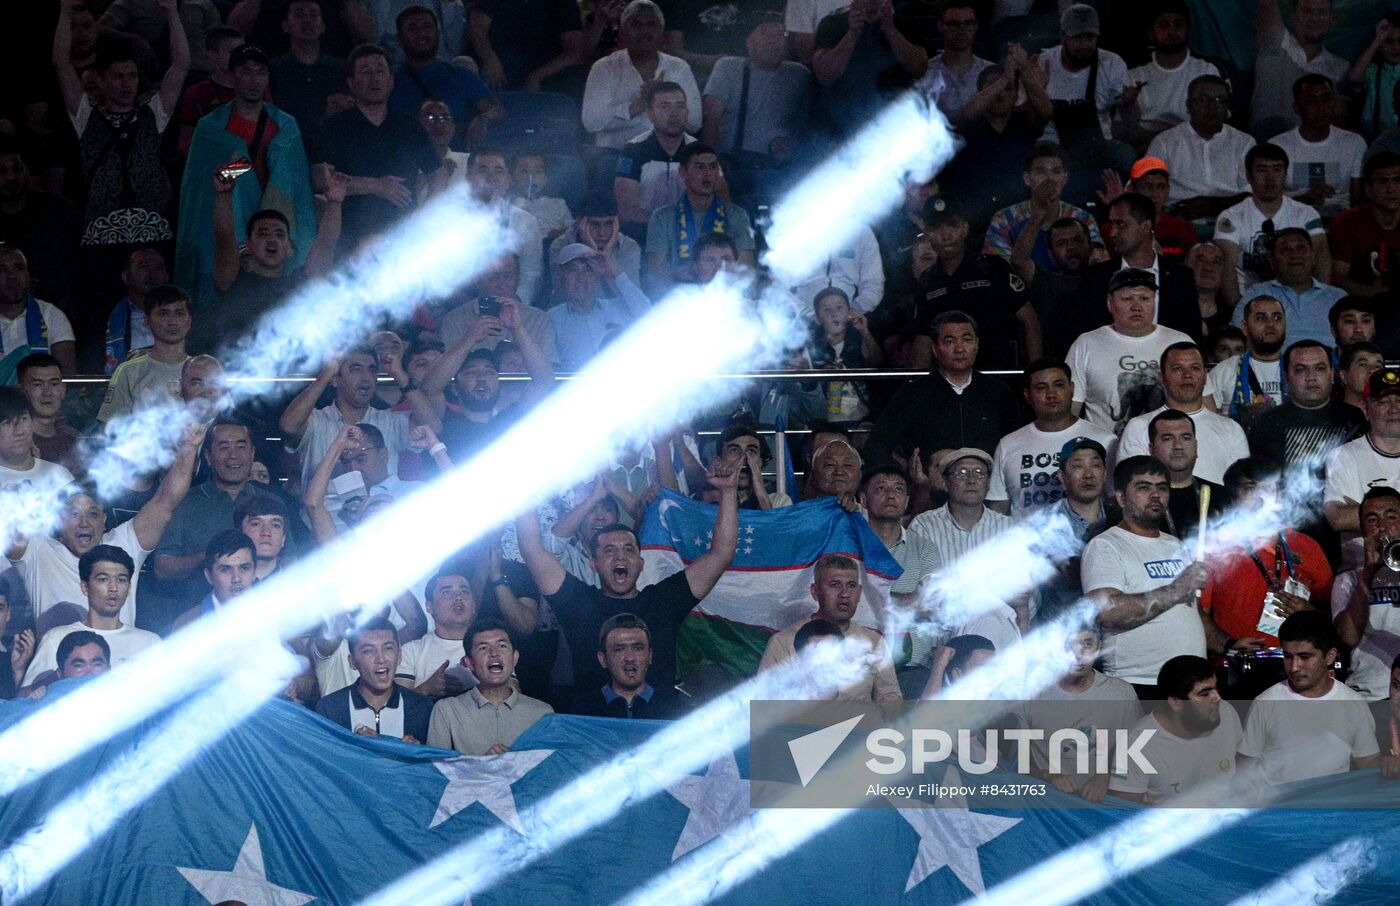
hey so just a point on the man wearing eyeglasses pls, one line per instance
(965, 521)
(1247, 230)
(1204, 154)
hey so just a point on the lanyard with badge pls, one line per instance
(1270, 617)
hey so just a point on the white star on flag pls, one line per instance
(246, 881)
(717, 800)
(748, 549)
(950, 836)
(486, 779)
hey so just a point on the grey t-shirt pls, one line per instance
(662, 234)
(777, 104)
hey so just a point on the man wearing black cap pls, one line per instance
(1115, 367)
(1371, 460)
(982, 286)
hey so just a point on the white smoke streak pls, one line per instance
(1320, 879)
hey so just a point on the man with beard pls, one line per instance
(1086, 84)
(1171, 440)
(374, 705)
(1144, 589)
(422, 75)
(105, 574)
(952, 407)
(617, 558)
(478, 415)
(836, 588)
(206, 510)
(1309, 424)
(1165, 77)
(308, 431)
(1054, 292)
(1195, 739)
(1247, 385)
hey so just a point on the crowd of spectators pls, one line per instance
(1149, 278)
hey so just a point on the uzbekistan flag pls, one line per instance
(768, 586)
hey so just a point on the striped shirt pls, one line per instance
(918, 556)
(950, 540)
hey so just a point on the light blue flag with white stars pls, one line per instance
(289, 809)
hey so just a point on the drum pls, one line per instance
(1244, 674)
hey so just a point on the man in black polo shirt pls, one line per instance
(982, 286)
(624, 651)
(375, 705)
(648, 171)
(387, 155)
(617, 557)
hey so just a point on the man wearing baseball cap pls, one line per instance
(586, 320)
(1079, 118)
(1150, 176)
(965, 521)
(1371, 460)
(1115, 367)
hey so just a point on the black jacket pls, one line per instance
(1176, 297)
(928, 414)
(664, 705)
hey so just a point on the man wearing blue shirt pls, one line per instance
(422, 76)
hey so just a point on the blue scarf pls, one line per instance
(1244, 386)
(36, 339)
(118, 334)
(688, 231)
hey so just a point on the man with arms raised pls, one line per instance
(49, 564)
(624, 651)
(617, 557)
(1220, 441)
(1112, 366)
(1195, 739)
(374, 705)
(1144, 591)
(104, 574)
(1026, 464)
(1370, 460)
(836, 588)
(1282, 741)
(486, 719)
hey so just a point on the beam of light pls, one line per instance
(719, 727)
(427, 255)
(855, 186)
(604, 409)
(1321, 878)
(748, 848)
(85, 815)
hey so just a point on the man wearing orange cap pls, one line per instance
(1175, 235)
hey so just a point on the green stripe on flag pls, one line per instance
(733, 647)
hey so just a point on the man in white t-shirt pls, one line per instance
(1246, 386)
(1287, 737)
(1195, 737)
(28, 324)
(1359, 465)
(1220, 441)
(801, 18)
(1068, 67)
(1246, 230)
(1145, 591)
(1114, 367)
(19, 467)
(49, 564)
(1026, 464)
(1366, 600)
(105, 577)
(1082, 699)
(1324, 161)
(1165, 77)
(435, 665)
(1283, 56)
